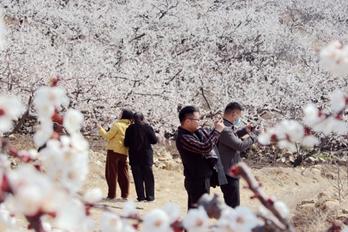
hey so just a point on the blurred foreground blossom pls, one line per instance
(47, 99)
(173, 211)
(110, 222)
(129, 209)
(240, 219)
(6, 217)
(286, 134)
(290, 132)
(10, 108)
(281, 207)
(196, 220)
(156, 221)
(92, 196)
(338, 101)
(72, 121)
(312, 115)
(334, 58)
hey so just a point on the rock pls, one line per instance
(159, 164)
(331, 205)
(324, 195)
(312, 201)
(291, 159)
(288, 154)
(11, 137)
(341, 161)
(316, 171)
(99, 163)
(171, 165)
(342, 217)
(307, 206)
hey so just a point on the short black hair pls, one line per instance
(233, 106)
(187, 111)
(127, 114)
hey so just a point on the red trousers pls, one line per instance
(116, 171)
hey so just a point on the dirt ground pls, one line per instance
(295, 186)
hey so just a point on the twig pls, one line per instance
(244, 171)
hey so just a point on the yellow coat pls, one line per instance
(115, 136)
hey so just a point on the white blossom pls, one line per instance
(93, 195)
(310, 141)
(72, 216)
(290, 130)
(196, 220)
(156, 221)
(338, 100)
(72, 121)
(129, 209)
(281, 207)
(6, 217)
(311, 115)
(110, 222)
(44, 133)
(173, 211)
(240, 219)
(334, 58)
(10, 108)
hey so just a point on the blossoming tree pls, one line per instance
(156, 55)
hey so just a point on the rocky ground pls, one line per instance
(315, 194)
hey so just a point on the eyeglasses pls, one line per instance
(196, 119)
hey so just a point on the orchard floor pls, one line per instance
(291, 185)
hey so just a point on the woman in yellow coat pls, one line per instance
(116, 167)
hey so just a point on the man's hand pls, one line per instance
(249, 128)
(99, 126)
(260, 130)
(219, 125)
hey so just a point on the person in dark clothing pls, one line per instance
(193, 146)
(139, 137)
(230, 146)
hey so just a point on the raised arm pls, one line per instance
(230, 139)
(190, 143)
(111, 133)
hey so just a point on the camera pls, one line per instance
(256, 127)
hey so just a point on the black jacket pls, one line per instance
(144, 156)
(192, 152)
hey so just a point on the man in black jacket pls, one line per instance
(193, 148)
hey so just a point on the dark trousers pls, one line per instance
(143, 176)
(116, 171)
(231, 192)
(195, 188)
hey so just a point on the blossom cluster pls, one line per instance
(334, 58)
(290, 132)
